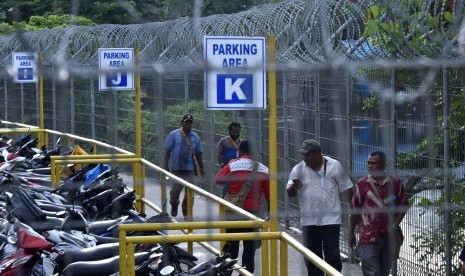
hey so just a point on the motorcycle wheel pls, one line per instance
(186, 264)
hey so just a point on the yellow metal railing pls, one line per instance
(126, 249)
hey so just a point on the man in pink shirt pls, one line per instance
(379, 204)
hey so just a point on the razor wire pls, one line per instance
(307, 32)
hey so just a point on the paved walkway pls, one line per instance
(206, 210)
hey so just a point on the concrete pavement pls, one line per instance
(207, 210)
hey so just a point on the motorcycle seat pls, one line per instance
(101, 267)
(96, 253)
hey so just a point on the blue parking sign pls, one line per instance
(235, 75)
(117, 69)
(25, 73)
(235, 88)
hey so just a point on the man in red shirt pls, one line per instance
(379, 204)
(236, 173)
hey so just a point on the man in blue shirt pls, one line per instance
(184, 148)
(228, 149)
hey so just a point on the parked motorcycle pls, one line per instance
(218, 265)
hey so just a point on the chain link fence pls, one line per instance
(334, 85)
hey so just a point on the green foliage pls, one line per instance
(388, 25)
(126, 128)
(44, 23)
(430, 244)
(120, 12)
(370, 102)
(58, 21)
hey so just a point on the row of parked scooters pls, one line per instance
(73, 229)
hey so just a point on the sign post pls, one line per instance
(116, 67)
(235, 76)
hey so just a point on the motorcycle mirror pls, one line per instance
(167, 270)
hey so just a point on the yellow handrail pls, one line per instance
(127, 242)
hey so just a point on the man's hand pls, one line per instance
(292, 190)
(352, 240)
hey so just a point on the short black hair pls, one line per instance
(245, 147)
(381, 155)
(234, 124)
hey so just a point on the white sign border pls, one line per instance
(130, 71)
(35, 67)
(257, 106)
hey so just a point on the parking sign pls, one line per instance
(116, 67)
(235, 78)
(25, 67)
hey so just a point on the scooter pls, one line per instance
(20, 247)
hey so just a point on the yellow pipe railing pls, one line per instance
(55, 175)
(127, 242)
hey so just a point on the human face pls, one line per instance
(234, 133)
(312, 158)
(375, 166)
(187, 126)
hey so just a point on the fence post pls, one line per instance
(447, 183)
(71, 109)
(286, 149)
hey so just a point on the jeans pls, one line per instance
(323, 241)
(176, 189)
(248, 252)
(224, 190)
(376, 258)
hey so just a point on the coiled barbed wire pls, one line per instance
(313, 32)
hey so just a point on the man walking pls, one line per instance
(379, 204)
(228, 148)
(184, 148)
(240, 172)
(317, 181)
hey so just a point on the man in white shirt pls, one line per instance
(317, 181)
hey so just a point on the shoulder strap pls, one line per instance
(233, 143)
(248, 184)
(188, 142)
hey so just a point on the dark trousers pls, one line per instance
(248, 252)
(323, 241)
(177, 188)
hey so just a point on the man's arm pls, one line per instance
(219, 154)
(200, 161)
(223, 175)
(353, 222)
(166, 160)
(349, 194)
(355, 218)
